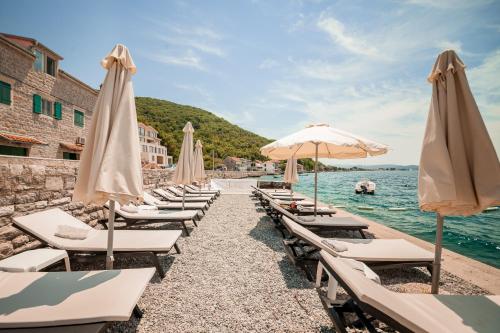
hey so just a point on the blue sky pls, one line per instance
(275, 66)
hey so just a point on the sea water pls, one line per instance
(476, 236)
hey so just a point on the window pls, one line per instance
(141, 131)
(145, 148)
(5, 93)
(38, 61)
(71, 156)
(44, 63)
(13, 151)
(50, 66)
(47, 107)
(79, 118)
(151, 149)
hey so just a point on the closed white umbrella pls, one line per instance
(322, 141)
(199, 164)
(291, 175)
(184, 171)
(459, 171)
(110, 165)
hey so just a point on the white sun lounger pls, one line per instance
(192, 189)
(150, 216)
(421, 313)
(43, 225)
(178, 192)
(149, 199)
(167, 195)
(70, 301)
(321, 223)
(373, 252)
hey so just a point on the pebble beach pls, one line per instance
(233, 275)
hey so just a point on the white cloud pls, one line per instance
(268, 63)
(194, 44)
(352, 43)
(190, 44)
(187, 59)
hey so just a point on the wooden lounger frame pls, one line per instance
(365, 312)
(142, 221)
(90, 256)
(207, 199)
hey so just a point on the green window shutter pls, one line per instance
(79, 118)
(37, 104)
(5, 93)
(57, 111)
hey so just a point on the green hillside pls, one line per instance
(215, 133)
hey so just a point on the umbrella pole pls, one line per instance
(436, 266)
(316, 182)
(183, 196)
(111, 229)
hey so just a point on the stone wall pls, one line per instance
(16, 68)
(28, 185)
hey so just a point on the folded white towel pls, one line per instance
(307, 218)
(358, 265)
(129, 208)
(335, 245)
(147, 207)
(67, 231)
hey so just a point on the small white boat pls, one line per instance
(365, 187)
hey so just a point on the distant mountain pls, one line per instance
(216, 133)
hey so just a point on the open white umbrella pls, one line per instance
(291, 175)
(322, 141)
(459, 171)
(199, 164)
(184, 171)
(110, 165)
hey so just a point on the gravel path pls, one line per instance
(232, 275)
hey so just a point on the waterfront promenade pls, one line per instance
(233, 275)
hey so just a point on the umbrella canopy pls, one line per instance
(459, 170)
(291, 175)
(199, 164)
(331, 143)
(184, 171)
(322, 141)
(110, 165)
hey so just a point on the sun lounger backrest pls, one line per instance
(163, 193)
(44, 224)
(151, 200)
(175, 190)
(299, 231)
(283, 211)
(394, 305)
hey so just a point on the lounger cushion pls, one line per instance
(70, 232)
(40, 299)
(129, 208)
(366, 250)
(335, 245)
(181, 215)
(44, 224)
(421, 313)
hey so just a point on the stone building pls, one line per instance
(152, 151)
(44, 111)
(237, 164)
